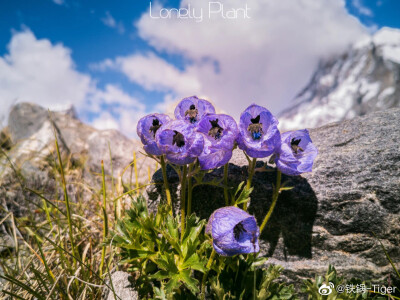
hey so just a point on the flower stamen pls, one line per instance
(156, 125)
(238, 230)
(216, 130)
(295, 145)
(178, 139)
(255, 128)
(192, 113)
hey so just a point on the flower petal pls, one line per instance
(145, 133)
(234, 231)
(203, 107)
(291, 163)
(268, 134)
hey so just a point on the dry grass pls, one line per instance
(58, 248)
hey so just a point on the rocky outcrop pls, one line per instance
(362, 80)
(32, 130)
(28, 159)
(331, 214)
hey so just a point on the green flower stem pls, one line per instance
(203, 281)
(190, 191)
(254, 284)
(166, 185)
(274, 200)
(226, 168)
(252, 167)
(183, 202)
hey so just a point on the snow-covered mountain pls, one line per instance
(360, 81)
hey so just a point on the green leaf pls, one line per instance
(172, 284)
(244, 196)
(166, 262)
(159, 293)
(190, 282)
(172, 227)
(193, 228)
(288, 188)
(193, 262)
(174, 242)
(160, 275)
(239, 188)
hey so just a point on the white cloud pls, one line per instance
(113, 94)
(105, 121)
(38, 71)
(116, 110)
(361, 8)
(109, 21)
(153, 73)
(265, 59)
(59, 2)
(35, 70)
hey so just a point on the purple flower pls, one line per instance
(296, 153)
(179, 141)
(220, 132)
(192, 109)
(147, 128)
(234, 231)
(258, 132)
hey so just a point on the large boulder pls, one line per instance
(28, 158)
(32, 130)
(332, 214)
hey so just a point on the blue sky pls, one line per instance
(94, 31)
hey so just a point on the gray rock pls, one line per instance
(331, 214)
(6, 242)
(25, 120)
(31, 130)
(123, 285)
(32, 156)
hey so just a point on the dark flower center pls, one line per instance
(192, 113)
(295, 145)
(238, 230)
(216, 130)
(178, 139)
(255, 128)
(155, 126)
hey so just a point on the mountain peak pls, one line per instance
(362, 80)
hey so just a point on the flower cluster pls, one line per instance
(200, 135)
(198, 132)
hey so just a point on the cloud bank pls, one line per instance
(266, 58)
(35, 70)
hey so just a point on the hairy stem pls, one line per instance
(190, 190)
(252, 167)
(274, 200)
(183, 202)
(166, 185)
